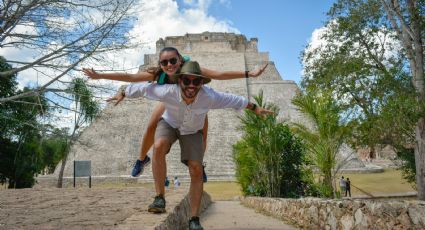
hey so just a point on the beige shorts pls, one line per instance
(191, 145)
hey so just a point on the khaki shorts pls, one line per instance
(191, 145)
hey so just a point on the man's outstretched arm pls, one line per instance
(258, 110)
(222, 100)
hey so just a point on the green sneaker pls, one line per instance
(158, 205)
(194, 224)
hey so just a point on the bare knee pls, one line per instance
(161, 147)
(195, 169)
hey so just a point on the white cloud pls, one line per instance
(158, 19)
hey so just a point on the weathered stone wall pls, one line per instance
(314, 213)
(178, 218)
(209, 42)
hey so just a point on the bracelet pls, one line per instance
(246, 74)
(122, 89)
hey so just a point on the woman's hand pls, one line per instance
(258, 72)
(118, 97)
(91, 73)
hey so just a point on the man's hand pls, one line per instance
(91, 73)
(263, 112)
(258, 72)
(118, 97)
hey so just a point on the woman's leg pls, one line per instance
(204, 140)
(149, 135)
(205, 133)
(147, 140)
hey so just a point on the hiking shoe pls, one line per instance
(158, 205)
(204, 175)
(139, 166)
(194, 224)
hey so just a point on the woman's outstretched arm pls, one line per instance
(227, 75)
(126, 77)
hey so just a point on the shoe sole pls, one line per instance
(141, 171)
(156, 210)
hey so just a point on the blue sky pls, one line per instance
(283, 27)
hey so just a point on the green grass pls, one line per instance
(388, 182)
(223, 190)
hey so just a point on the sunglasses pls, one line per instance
(195, 82)
(172, 61)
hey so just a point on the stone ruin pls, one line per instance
(112, 141)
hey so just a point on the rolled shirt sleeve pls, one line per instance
(148, 90)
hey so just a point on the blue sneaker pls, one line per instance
(139, 166)
(204, 175)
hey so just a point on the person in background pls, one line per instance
(167, 182)
(342, 185)
(348, 187)
(176, 183)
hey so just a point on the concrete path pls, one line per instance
(226, 215)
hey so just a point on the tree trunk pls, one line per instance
(60, 177)
(419, 158)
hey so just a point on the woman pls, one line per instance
(170, 61)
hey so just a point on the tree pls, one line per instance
(269, 158)
(53, 147)
(324, 139)
(86, 110)
(374, 54)
(20, 155)
(62, 34)
(408, 21)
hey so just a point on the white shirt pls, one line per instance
(187, 118)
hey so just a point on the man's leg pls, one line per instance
(196, 186)
(192, 155)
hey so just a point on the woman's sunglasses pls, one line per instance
(195, 82)
(172, 61)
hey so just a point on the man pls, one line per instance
(348, 187)
(186, 105)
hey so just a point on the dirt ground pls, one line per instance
(82, 208)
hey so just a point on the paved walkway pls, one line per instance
(226, 215)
